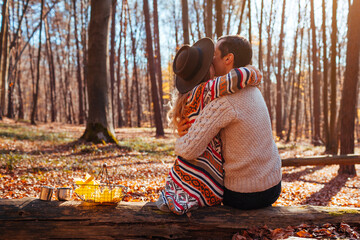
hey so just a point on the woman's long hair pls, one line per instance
(177, 106)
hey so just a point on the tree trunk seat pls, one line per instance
(31, 218)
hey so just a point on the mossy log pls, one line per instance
(30, 218)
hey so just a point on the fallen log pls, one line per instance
(30, 218)
(322, 160)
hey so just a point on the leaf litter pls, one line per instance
(34, 156)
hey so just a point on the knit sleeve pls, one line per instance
(235, 80)
(215, 116)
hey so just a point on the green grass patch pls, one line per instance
(10, 160)
(149, 145)
(26, 133)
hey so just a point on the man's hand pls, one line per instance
(183, 127)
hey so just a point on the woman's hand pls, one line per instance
(183, 127)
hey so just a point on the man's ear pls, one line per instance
(229, 59)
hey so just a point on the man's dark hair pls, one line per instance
(239, 46)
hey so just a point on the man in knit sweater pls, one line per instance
(252, 163)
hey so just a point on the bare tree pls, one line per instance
(242, 14)
(135, 73)
(209, 18)
(120, 120)
(78, 71)
(325, 80)
(196, 7)
(36, 94)
(333, 146)
(185, 21)
(112, 55)
(349, 96)
(157, 53)
(293, 76)
(128, 120)
(249, 17)
(150, 56)
(316, 82)
(298, 88)
(279, 125)
(267, 81)
(219, 18)
(51, 66)
(260, 37)
(99, 126)
(3, 55)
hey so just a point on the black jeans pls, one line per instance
(254, 200)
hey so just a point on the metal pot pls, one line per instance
(46, 193)
(63, 194)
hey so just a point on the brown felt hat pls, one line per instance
(192, 63)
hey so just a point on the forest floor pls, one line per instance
(34, 156)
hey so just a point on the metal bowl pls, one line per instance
(63, 194)
(46, 193)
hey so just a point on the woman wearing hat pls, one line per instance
(199, 182)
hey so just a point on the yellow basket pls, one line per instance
(100, 193)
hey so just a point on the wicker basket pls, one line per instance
(95, 191)
(100, 193)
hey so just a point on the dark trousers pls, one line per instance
(254, 200)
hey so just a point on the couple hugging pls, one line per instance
(226, 152)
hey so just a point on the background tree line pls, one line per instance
(307, 50)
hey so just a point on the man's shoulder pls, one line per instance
(249, 91)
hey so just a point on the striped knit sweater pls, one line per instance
(199, 182)
(252, 162)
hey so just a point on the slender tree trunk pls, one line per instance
(219, 18)
(70, 115)
(78, 72)
(35, 96)
(230, 13)
(306, 113)
(128, 120)
(84, 23)
(150, 56)
(333, 146)
(99, 126)
(196, 7)
(242, 14)
(3, 55)
(135, 74)
(267, 80)
(298, 87)
(112, 56)
(19, 87)
(157, 54)
(149, 98)
(279, 125)
(52, 73)
(325, 81)
(349, 97)
(185, 21)
(260, 37)
(176, 29)
(120, 120)
(10, 92)
(209, 18)
(293, 76)
(316, 82)
(249, 17)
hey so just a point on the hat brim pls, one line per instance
(207, 48)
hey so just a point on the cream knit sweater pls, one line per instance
(252, 162)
